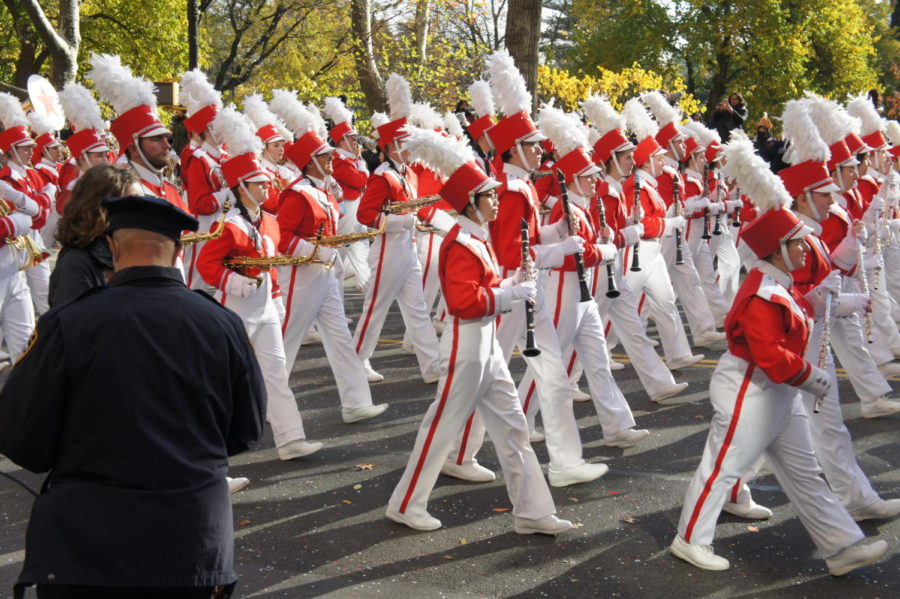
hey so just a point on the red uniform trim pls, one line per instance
(362, 333)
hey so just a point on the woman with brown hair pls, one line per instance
(85, 260)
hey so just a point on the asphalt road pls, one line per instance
(316, 527)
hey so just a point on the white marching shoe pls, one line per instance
(880, 510)
(750, 511)
(312, 337)
(614, 366)
(298, 449)
(855, 556)
(473, 473)
(878, 407)
(701, 556)
(536, 436)
(371, 374)
(548, 525)
(578, 395)
(670, 391)
(889, 369)
(582, 473)
(236, 484)
(628, 437)
(351, 415)
(419, 522)
(708, 338)
(685, 361)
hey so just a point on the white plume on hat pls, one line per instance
(337, 111)
(319, 124)
(892, 130)
(602, 115)
(482, 98)
(379, 119)
(764, 188)
(198, 92)
(663, 112)
(11, 112)
(508, 84)
(425, 117)
(833, 122)
(399, 97)
(565, 134)
(639, 120)
(294, 114)
(259, 115)
(80, 108)
(236, 132)
(441, 154)
(452, 125)
(806, 143)
(862, 108)
(115, 84)
(39, 123)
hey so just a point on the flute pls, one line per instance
(611, 289)
(531, 349)
(573, 230)
(636, 215)
(706, 234)
(864, 285)
(679, 211)
(736, 215)
(823, 346)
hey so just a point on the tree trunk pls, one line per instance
(423, 13)
(29, 59)
(523, 31)
(193, 16)
(366, 68)
(62, 45)
(719, 85)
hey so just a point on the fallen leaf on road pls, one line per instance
(501, 509)
(243, 523)
(574, 499)
(577, 525)
(357, 486)
(448, 557)
(463, 542)
(612, 492)
(365, 466)
(630, 519)
(347, 501)
(753, 528)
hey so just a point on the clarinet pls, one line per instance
(864, 285)
(531, 349)
(823, 346)
(706, 234)
(636, 260)
(573, 230)
(679, 248)
(736, 217)
(717, 230)
(611, 289)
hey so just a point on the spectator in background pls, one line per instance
(730, 114)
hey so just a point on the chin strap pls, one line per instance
(521, 154)
(784, 254)
(243, 186)
(577, 183)
(812, 208)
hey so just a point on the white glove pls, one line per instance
(817, 383)
(695, 204)
(241, 286)
(876, 205)
(894, 224)
(49, 190)
(21, 223)
(279, 307)
(632, 233)
(873, 261)
(607, 251)
(326, 254)
(526, 290)
(732, 205)
(442, 221)
(12, 195)
(516, 278)
(674, 223)
(861, 236)
(562, 227)
(29, 207)
(816, 295)
(398, 223)
(715, 208)
(849, 304)
(572, 245)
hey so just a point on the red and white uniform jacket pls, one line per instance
(869, 186)
(818, 263)
(69, 173)
(469, 273)
(666, 183)
(617, 212)
(29, 182)
(240, 237)
(351, 173)
(282, 178)
(201, 179)
(49, 172)
(587, 230)
(306, 208)
(693, 187)
(428, 182)
(155, 184)
(835, 231)
(768, 326)
(652, 203)
(387, 185)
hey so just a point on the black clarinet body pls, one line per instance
(531, 349)
(611, 289)
(579, 257)
(636, 258)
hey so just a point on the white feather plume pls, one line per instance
(379, 119)
(562, 131)
(593, 136)
(198, 92)
(11, 112)
(602, 115)
(639, 120)
(39, 124)
(115, 84)
(508, 84)
(833, 122)
(236, 132)
(294, 114)
(439, 153)
(399, 97)
(80, 108)
(892, 130)
(257, 112)
(764, 188)
(806, 143)
(425, 117)
(862, 108)
(452, 125)
(663, 112)
(482, 98)
(319, 124)
(701, 133)
(337, 111)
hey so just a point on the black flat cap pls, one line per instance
(150, 214)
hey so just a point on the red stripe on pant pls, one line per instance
(465, 439)
(739, 402)
(290, 297)
(735, 490)
(362, 333)
(437, 418)
(427, 261)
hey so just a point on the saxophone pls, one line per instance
(192, 238)
(24, 243)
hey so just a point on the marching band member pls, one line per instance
(275, 136)
(516, 141)
(253, 292)
(890, 248)
(352, 174)
(474, 374)
(307, 210)
(650, 210)
(87, 145)
(46, 159)
(201, 177)
(684, 276)
(615, 153)
(392, 257)
(483, 105)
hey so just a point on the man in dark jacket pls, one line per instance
(133, 396)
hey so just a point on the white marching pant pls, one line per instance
(38, 277)
(281, 406)
(560, 427)
(884, 328)
(653, 280)
(428, 248)
(397, 276)
(891, 277)
(703, 261)
(355, 255)
(754, 416)
(686, 282)
(312, 295)
(16, 311)
(474, 375)
(729, 261)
